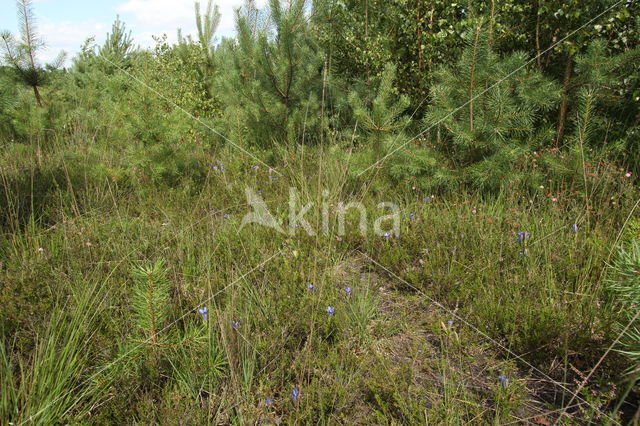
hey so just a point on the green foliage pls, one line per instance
(625, 285)
(120, 166)
(607, 80)
(204, 61)
(117, 48)
(384, 119)
(22, 54)
(486, 113)
(51, 386)
(151, 298)
(149, 342)
(416, 37)
(8, 95)
(277, 83)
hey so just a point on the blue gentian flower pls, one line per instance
(449, 323)
(504, 380)
(235, 324)
(226, 216)
(203, 312)
(295, 394)
(268, 401)
(331, 310)
(255, 167)
(412, 216)
(348, 291)
(523, 236)
(311, 287)
(387, 235)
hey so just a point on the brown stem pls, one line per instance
(366, 34)
(433, 11)
(538, 54)
(493, 11)
(418, 35)
(39, 100)
(152, 332)
(473, 76)
(564, 105)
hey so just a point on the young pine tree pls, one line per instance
(277, 82)
(153, 339)
(382, 121)
(21, 54)
(625, 286)
(117, 48)
(486, 113)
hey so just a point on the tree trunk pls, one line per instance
(366, 36)
(538, 54)
(38, 96)
(472, 82)
(433, 11)
(564, 105)
(419, 36)
(491, 21)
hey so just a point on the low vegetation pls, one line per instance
(134, 290)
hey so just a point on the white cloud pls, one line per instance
(166, 16)
(144, 18)
(68, 36)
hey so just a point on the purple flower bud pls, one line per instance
(268, 401)
(504, 381)
(203, 312)
(449, 323)
(235, 324)
(348, 291)
(331, 310)
(523, 236)
(412, 216)
(295, 394)
(311, 287)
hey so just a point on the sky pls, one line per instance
(65, 24)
